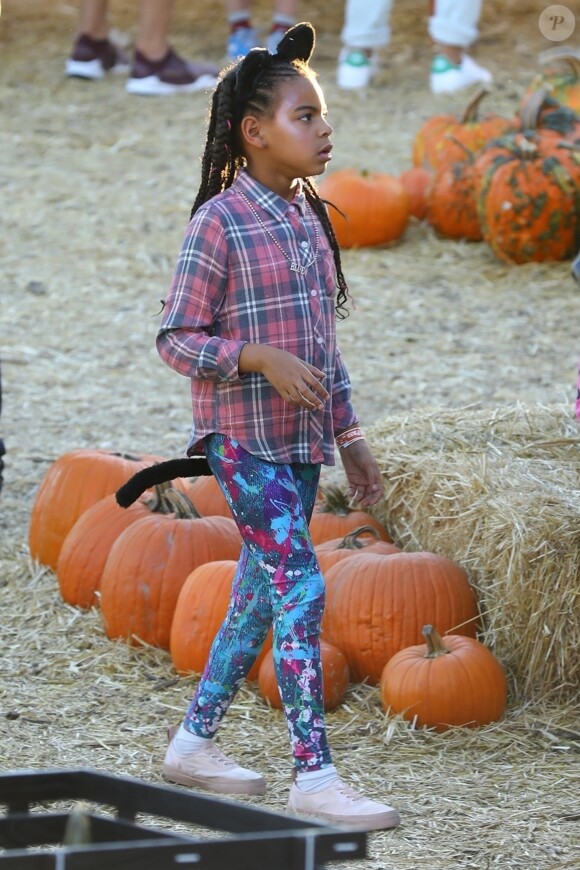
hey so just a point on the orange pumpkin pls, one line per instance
(541, 112)
(366, 208)
(440, 684)
(335, 677)
(528, 197)
(362, 538)
(441, 140)
(86, 548)
(149, 563)
(207, 497)
(200, 610)
(451, 205)
(333, 517)
(416, 182)
(377, 605)
(73, 483)
(561, 74)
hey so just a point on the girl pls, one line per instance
(250, 320)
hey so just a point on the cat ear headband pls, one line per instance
(296, 44)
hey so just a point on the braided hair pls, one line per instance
(252, 85)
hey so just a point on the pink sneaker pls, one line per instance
(342, 805)
(212, 770)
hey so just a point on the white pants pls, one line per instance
(366, 22)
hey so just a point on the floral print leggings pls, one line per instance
(277, 583)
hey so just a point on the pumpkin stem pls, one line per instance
(167, 500)
(334, 501)
(351, 541)
(434, 643)
(469, 154)
(524, 147)
(571, 59)
(470, 113)
(530, 112)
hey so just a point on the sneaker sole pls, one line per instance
(378, 822)
(216, 784)
(354, 80)
(85, 69)
(91, 69)
(438, 87)
(152, 86)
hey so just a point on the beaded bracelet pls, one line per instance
(349, 436)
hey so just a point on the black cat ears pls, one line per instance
(296, 44)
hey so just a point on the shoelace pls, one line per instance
(350, 793)
(216, 754)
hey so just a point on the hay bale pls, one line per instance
(498, 491)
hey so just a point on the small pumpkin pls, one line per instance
(540, 111)
(151, 560)
(333, 517)
(441, 139)
(560, 73)
(335, 677)
(443, 683)
(416, 182)
(451, 205)
(73, 483)
(362, 538)
(200, 610)
(377, 605)
(366, 208)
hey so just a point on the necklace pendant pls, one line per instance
(296, 267)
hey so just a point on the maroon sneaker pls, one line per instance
(169, 75)
(93, 58)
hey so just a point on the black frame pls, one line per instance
(263, 839)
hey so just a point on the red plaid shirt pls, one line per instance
(233, 285)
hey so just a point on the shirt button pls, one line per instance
(320, 340)
(313, 292)
(304, 245)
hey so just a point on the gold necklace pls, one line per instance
(294, 266)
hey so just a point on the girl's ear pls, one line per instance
(251, 132)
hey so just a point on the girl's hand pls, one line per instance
(297, 382)
(362, 473)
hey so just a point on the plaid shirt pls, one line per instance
(233, 285)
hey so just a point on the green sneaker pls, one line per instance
(447, 76)
(355, 68)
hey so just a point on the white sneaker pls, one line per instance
(355, 68)
(342, 805)
(447, 77)
(209, 768)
